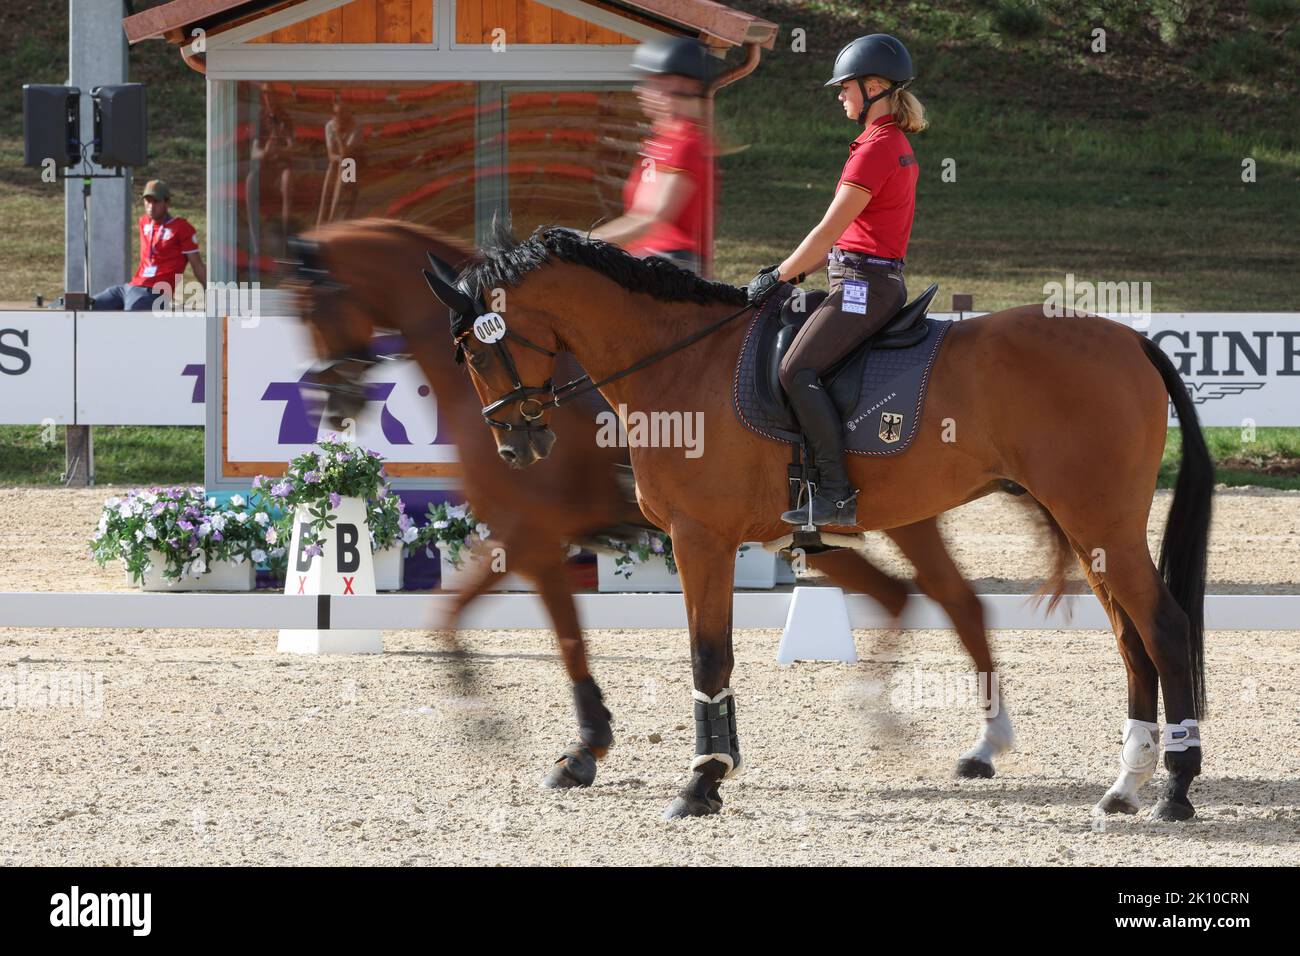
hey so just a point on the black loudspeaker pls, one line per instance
(51, 124)
(121, 125)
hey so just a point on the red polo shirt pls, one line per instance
(881, 162)
(163, 247)
(680, 147)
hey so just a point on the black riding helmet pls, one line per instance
(876, 55)
(677, 56)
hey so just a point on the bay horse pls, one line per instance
(355, 278)
(1073, 410)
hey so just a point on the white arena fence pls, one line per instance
(395, 612)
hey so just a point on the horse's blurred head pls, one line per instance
(341, 326)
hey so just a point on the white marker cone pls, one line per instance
(345, 567)
(817, 628)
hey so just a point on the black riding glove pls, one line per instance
(763, 283)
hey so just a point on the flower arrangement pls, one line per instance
(319, 479)
(389, 523)
(452, 529)
(187, 531)
(647, 544)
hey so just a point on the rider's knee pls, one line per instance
(792, 377)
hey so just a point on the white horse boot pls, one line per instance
(1137, 764)
(996, 738)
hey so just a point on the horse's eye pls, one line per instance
(477, 359)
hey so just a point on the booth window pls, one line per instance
(444, 154)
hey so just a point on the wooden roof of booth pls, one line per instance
(410, 21)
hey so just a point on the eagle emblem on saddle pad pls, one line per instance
(891, 426)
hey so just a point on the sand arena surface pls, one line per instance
(209, 747)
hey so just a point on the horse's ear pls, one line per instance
(442, 269)
(449, 295)
(304, 252)
(305, 261)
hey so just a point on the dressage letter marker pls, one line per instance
(817, 628)
(344, 567)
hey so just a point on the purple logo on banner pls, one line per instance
(301, 419)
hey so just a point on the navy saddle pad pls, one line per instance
(879, 388)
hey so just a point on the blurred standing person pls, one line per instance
(667, 193)
(271, 158)
(343, 141)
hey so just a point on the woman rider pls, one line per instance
(665, 196)
(864, 236)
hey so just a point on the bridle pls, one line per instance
(525, 395)
(491, 329)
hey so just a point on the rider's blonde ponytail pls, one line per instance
(908, 112)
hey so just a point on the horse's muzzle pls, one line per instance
(519, 449)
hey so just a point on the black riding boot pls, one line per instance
(835, 502)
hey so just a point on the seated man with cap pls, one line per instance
(167, 243)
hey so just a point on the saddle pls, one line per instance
(878, 388)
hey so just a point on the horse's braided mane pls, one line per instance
(505, 260)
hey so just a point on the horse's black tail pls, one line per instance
(1187, 531)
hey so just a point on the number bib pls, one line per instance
(854, 296)
(489, 328)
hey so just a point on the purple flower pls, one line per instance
(216, 536)
(173, 542)
(281, 490)
(401, 506)
(656, 546)
(335, 498)
(312, 477)
(158, 509)
(382, 492)
(313, 551)
(185, 525)
(344, 456)
(403, 523)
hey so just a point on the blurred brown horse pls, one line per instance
(1073, 410)
(355, 278)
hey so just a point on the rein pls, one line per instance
(581, 385)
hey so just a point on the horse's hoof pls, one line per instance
(1117, 803)
(1171, 811)
(688, 806)
(973, 768)
(575, 768)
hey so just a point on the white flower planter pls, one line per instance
(457, 579)
(390, 569)
(647, 576)
(784, 570)
(755, 568)
(220, 576)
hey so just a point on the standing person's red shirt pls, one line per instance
(881, 161)
(163, 248)
(680, 147)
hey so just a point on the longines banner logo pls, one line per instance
(1235, 362)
